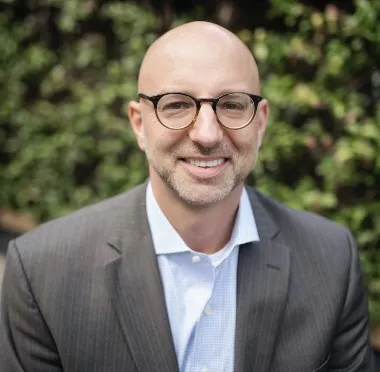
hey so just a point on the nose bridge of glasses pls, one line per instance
(206, 129)
(207, 115)
(211, 101)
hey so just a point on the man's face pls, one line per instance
(204, 163)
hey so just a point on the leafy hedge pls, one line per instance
(68, 69)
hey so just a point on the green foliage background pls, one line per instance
(68, 69)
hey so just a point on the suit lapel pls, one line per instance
(137, 293)
(262, 287)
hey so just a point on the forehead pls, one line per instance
(199, 67)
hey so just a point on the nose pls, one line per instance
(206, 130)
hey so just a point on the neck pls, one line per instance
(204, 229)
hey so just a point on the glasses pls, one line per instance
(179, 110)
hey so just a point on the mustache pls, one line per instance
(197, 149)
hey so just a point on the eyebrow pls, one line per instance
(174, 90)
(227, 91)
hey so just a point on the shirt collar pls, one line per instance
(166, 239)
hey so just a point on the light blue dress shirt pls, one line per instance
(200, 290)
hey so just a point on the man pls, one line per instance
(191, 271)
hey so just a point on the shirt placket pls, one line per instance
(196, 353)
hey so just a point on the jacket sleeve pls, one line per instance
(25, 341)
(351, 351)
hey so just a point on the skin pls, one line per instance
(205, 61)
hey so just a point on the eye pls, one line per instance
(231, 106)
(178, 105)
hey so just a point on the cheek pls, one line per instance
(153, 130)
(244, 140)
(160, 139)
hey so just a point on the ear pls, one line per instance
(262, 120)
(135, 119)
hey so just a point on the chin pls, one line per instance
(202, 195)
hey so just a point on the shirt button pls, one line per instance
(204, 369)
(208, 310)
(196, 259)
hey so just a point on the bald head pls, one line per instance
(198, 52)
(201, 60)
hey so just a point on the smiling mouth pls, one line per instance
(205, 163)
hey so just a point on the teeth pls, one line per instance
(202, 163)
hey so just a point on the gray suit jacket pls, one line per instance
(83, 293)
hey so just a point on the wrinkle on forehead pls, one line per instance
(203, 46)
